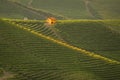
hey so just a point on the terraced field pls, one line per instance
(98, 36)
(11, 10)
(88, 34)
(29, 50)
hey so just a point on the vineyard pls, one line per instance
(59, 40)
(31, 50)
(99, 36)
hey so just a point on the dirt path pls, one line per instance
(87, 3)
(6, 75)
(94, 13)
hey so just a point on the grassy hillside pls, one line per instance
(31, 57)
(79, 9)
(11, 9)
(108, 9)
(72, 9)
(66, 9)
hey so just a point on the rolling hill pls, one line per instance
(83, 44)
(95, 39)
(108, 9)
(97, 36)
(79, 9)
(11, 9)
(66, 9)
(27, 52)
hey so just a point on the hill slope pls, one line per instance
(31, 57)
(11, 9)
(79, 9)
(66, 9)
(108, 9)
(71, 9)
(97, 36)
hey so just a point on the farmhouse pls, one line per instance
(51, 20)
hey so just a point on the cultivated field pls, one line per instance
(59, 40)
(32, 50)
